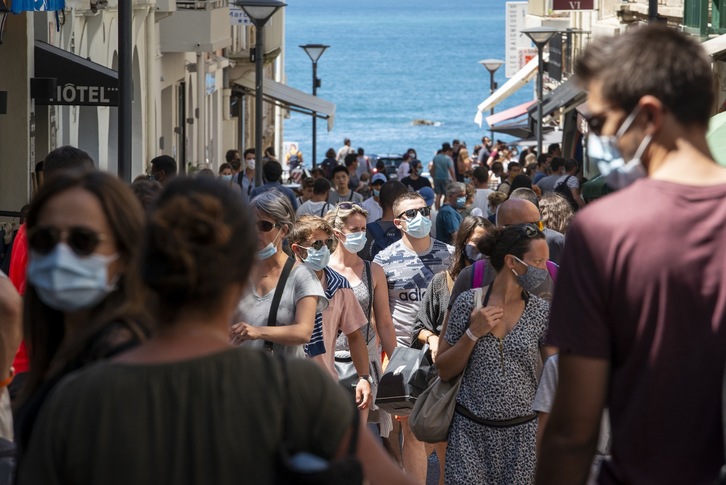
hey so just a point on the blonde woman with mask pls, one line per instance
(349, 222)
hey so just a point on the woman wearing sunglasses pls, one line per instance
(302, 295)
(312, 240)
(369, 285)
(82, 236)
(499, 348)
(186, 407)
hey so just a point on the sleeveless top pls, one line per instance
(363, 295)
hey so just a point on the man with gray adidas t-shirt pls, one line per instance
(410, 264)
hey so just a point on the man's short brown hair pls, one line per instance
(652, 60)
(403, 198)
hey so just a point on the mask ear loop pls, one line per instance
(636, 160)
(628, 122)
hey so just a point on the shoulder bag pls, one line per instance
(272, 317)
(347, 375)
(433, 411)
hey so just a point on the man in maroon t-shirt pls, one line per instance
(639, 313)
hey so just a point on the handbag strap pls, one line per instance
(272, 317)
(369, 280)
(480, 270)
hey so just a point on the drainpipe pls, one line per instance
(201, 105)
(125, 80)
(152, 88)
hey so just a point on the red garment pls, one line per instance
(18, 263)
(642, 286)
(19, 260)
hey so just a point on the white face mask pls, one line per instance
(355, 241)
(418, 227)
(317, 259)
(67, 282)
(604, 151)
(269, 250)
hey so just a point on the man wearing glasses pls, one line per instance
(409, 265)
(639, 314)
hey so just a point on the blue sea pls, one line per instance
(391, 62)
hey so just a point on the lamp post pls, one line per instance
(314, 52)
(259, 12)
(540, 36)
(491, 65)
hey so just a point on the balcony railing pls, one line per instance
(200, 4)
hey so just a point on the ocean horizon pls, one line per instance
(391, 63)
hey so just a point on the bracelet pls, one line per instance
(5, 382)
(471, 335)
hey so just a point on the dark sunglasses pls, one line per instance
(346, 206)
(411, 213)
(82, 240)
(266, 226)
(318, 245)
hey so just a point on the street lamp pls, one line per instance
(540, 36)
(491, 65)
(259, 12)
(314, 52)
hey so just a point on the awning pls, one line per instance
(67, 79)
(548, 137)
(510, 87)
(509, 114)
(517, 130)
(715, 47)
(566, 95)
(291, 98)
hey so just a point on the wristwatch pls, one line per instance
(367, 378)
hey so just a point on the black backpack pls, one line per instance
(565, 192)
(382, 239)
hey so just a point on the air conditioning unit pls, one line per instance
(166, 5)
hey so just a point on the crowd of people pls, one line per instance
(207, 330)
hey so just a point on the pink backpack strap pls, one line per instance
(552, 268)
(480, 268)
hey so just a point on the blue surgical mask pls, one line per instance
(467, 180)
(269, 250)
(418, 227)
(227, 178)
(67, 282)
(376, 193)
(355, 241)
(317, 259)
(461, 202)
(604, 151)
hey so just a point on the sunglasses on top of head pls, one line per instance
(538, 224)
(528, 230)
(411, 213)
(82, 240)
